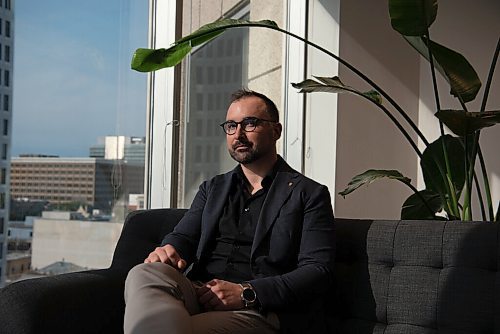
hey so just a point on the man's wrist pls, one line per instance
(248, 295)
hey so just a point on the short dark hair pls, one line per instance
(271, 108)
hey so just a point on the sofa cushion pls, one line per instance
(417, 277)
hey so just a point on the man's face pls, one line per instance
(248, 147)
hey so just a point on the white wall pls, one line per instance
(473, 31)
(84, 243)
(366, 138)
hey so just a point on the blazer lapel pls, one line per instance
(280, 190)
(213, 209)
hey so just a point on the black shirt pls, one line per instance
(229, 258)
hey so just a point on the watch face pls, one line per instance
(249, 295)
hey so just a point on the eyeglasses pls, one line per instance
(248, 124)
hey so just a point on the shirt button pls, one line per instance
(246, 209)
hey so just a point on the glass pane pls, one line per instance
(78, 131)
(217, 69)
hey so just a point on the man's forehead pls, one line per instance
(248, 106)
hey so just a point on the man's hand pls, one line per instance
(219, 295)
(166, 254)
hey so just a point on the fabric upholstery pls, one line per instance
(417, 277)
(392, 277)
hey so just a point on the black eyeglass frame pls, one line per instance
(244, 123)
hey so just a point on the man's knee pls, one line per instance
(151, 270)
(143, 275)
(156, 275)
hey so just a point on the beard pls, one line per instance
(245, 157)
(251, 154)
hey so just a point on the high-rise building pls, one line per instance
(6, 76)
(129, 149)
(88, 181)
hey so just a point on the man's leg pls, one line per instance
(237, 322)
(158, 299)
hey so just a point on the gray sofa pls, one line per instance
(391, 277)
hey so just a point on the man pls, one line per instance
(260, 240)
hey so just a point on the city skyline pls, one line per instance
(72, 79)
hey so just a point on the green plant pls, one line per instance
(448, 164)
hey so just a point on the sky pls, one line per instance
(72, 77)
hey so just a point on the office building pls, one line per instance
(95, 182)
(6, 75)
(130, 149)
(58, 238)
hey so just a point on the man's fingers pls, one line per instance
(158, 255)
(181, 264)
(166, 254)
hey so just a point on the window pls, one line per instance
(0, 48)
(60, 104)
(2, 223)
(4, 151)
(5, 127)
(6, 102)
(204, 84)
(6, 78)
(3, 179)
(228, 62)
(7, 28)
(7, 53)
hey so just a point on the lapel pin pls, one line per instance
(290, 184)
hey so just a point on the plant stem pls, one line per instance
(395, 121)
(449, 185)
(480, 197)
(486, 185)
(475, 143)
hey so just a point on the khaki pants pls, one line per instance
(159, 299)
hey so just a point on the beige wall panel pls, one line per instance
(84, 243)
(366, 137)
(471, 30)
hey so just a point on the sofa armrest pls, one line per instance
(82, 302)
(143, 230)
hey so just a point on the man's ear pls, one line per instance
(278, 128)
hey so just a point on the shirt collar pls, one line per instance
(267, 180)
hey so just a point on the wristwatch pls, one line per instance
(248, 295)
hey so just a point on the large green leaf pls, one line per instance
(466, 123)
(147, 60)
(415, 208)
(412, 17)
(371, 175)
(433, 157)
(463, 79)
(333, 85)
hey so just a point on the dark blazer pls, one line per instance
(292, 255)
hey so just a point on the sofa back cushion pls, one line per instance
(417, 277)
(143, 230)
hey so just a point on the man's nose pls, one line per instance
(239, 131)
